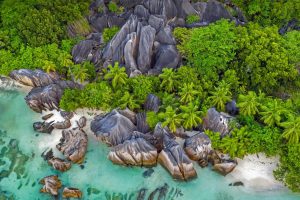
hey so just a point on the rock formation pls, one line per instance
(71, 193)
(48, 97)
(33, 78)
(135, 151)
(51, 185)
(217, 122)
(198, 147)
(152, 103)
(62, 125)
(113, 129)
(81, 123)
(73, 145)
(59, 164)
(43, 127)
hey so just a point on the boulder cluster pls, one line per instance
(47, 88)
(144, 44)
(131, 146)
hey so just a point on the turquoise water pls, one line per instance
(21, 168)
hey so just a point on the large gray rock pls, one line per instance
(43, 127)
(198, 147)
(152, 103)
(135, 151)
(73, 145)
(130, 52)
(164, 36)
(212, 11)
(33, 78)
(113, 129)
(174, 159)
(130, 3)
(217, 122)
(142, 125)
(141, 12)
(48, 97)
(145, 48)
(156, 22)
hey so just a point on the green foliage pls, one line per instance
(128, 101)
(249, 104)
(117, 75)
(152, 119)
(262, 61)
(141, 86)
(79, 73)
(269, 12)
(220, 96)
(109, 33)
(292, 44)
(191, 115)
(192, 18)
(94, 95)
(113, 7)
(169, 79)
(170, 119)
(292, 129)
(39, 27)
(273, 112)
(182, 36)
(210, 48)
(289, 167)
(188, 93)
(48, 66)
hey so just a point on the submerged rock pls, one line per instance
(113, 129)
(59, 164)
(33, 78)
(73, 145)
(174, 159)
(48, 97)
(43, 127)
(135, 151)
(51, 185)
(224, 168)
(198, 147)
(217, 122)
(71, 193)
(148, 173)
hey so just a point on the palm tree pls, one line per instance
(117, 75)
(128, 101)
(220, 96)
(190, 115)
(249, 104)
(80, 73)
(188, 93)
(169, 79)
(273, 112)
(292, 130)
(65, 59)
(49, 66)
(171, 119)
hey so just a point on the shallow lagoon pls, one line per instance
(21, 168)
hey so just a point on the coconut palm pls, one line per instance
(128, 101)
(249, 104)
(190, 115)
(169, 79)
(272, 113)
(79, 73)
(65, 59)
(117, 75)
(49, 66)
(292, 130)
(188, 93)
(220, 96)
(170, 119)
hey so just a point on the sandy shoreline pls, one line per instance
(256, 172)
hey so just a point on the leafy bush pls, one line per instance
(192, 19)
(109, 33)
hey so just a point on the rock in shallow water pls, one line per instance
(73, 145)
(224, 168)
(51, 185)
(59, 164)
(43, 127)
(198, 147)
(174, 159)
(71, 193)
(135, 151)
